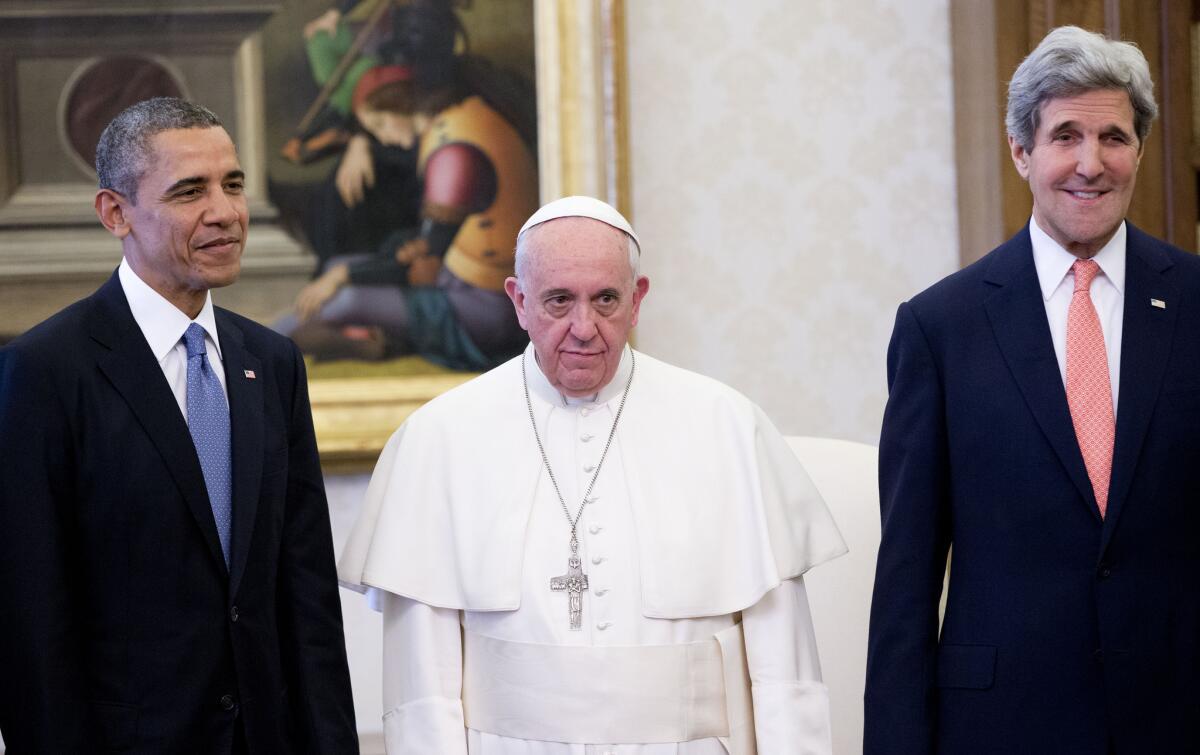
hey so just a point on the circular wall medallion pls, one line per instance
(100, 89)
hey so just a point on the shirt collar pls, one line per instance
(540, 386)
(1053, 262)
(161, 322)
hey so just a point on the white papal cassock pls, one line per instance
(696, 635)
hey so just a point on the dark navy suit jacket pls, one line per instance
(1063, 632)
(121, 629)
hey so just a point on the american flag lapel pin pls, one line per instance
(1158, 303)
(249, 374)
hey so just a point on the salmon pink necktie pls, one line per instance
(1089, 392)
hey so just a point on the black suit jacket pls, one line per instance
(1063, 632)
(122, 628)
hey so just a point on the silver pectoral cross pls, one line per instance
(574, 582)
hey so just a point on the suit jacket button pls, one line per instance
(233, 614)
(1105, 571)
(1098, 655)
(226, 702)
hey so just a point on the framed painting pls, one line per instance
(392, 148)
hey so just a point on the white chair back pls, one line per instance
(839, 592)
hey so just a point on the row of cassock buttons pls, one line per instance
(594, 528)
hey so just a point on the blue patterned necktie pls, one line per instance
(208, 422)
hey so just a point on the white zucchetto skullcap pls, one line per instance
(581, 207)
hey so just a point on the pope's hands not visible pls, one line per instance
(356, 173)
(314, 296)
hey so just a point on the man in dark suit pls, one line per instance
(166, 563)
(1043, 420)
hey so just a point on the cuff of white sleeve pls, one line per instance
(792, 717)
(430, 724)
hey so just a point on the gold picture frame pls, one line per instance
(582, 149)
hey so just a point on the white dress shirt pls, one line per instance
(163, 324)
(1107, 291)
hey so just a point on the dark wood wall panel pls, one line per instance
(1014, 28)
(1090, 14)
(1141, 22)
(1175, 93)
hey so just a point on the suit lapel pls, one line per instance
(1145, 348)
(246, 427)
(131, 368)
(1017, 314)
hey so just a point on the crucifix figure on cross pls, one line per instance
(574, 582)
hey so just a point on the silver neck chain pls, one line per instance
(574, 521)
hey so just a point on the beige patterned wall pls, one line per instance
(793, 182)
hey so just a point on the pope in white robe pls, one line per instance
(686, 628)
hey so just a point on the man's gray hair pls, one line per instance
(124, 146)
(521, 261)
(1069, 62)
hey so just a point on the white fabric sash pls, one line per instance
(610, 695)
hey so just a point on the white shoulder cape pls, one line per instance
(724, 511)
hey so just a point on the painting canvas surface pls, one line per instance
(341, 109)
